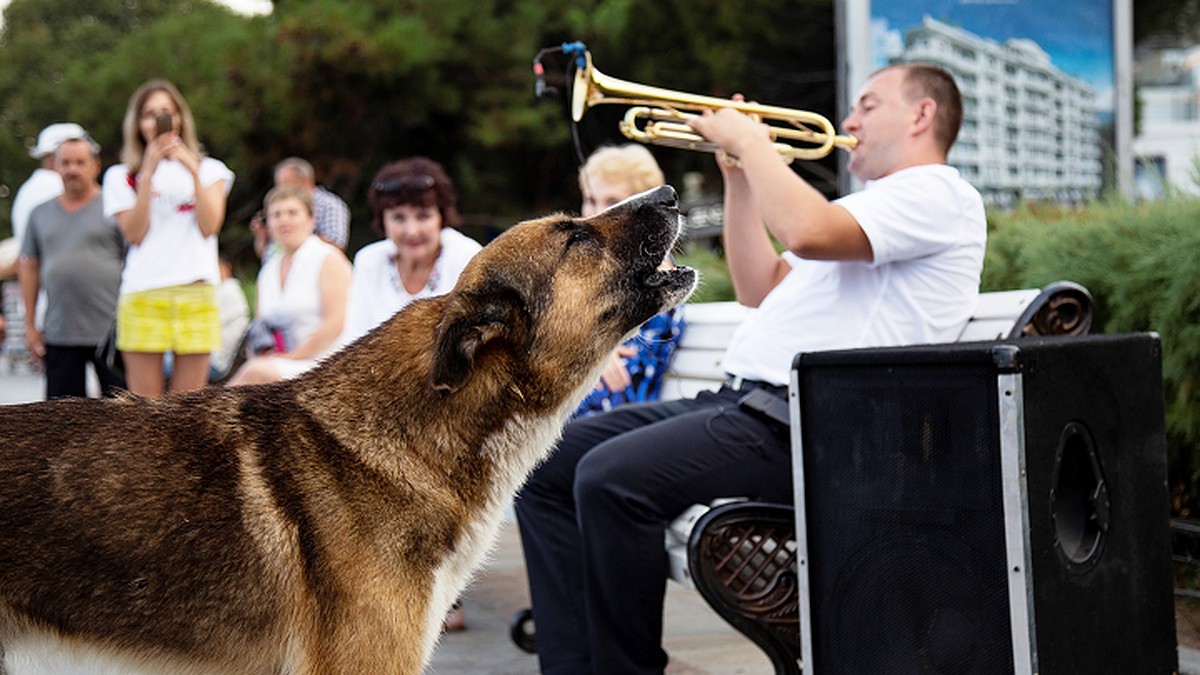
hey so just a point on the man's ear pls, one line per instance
(926, 112)
(468, 324)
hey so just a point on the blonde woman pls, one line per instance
(635, 370)
(301, 291)
(168, 199)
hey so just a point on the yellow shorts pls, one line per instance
(180, 319)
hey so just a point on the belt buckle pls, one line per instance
(736, 382)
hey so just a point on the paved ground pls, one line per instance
(699, 642)
(21, 386)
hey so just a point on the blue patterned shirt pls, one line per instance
(655, 343)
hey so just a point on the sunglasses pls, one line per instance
(412, 183)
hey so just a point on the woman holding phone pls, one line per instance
(168, 199)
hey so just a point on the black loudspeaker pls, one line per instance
(993, 507)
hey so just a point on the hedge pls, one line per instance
(1140, 263)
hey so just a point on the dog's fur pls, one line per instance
(323, 524)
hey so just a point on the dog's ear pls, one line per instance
(469, 322)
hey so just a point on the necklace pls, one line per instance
(431, 283)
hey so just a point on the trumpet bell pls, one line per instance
(657, 116)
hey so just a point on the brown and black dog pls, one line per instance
(324, 524)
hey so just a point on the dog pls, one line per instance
(323, 524)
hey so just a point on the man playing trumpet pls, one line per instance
(896, 263)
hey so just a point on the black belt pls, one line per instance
(740, 383)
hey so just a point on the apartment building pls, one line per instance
(1030, 131)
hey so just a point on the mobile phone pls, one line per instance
(163, 123)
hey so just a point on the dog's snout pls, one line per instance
(665, 196)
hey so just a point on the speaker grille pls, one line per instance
(902, 490)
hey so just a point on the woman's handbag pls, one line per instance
(266, 335)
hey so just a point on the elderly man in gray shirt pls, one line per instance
(75, 254)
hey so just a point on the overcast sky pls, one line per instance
(243, 6)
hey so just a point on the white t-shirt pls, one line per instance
(927, 230)
(173, 252)
(42, 186)
(376, 292)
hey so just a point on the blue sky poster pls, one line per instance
(1077, 35)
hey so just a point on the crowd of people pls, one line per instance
(142, 270)
(897, 262)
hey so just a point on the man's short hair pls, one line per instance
(925, 80)
(92, 145)
(300, 166)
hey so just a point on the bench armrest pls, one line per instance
(1062, 308)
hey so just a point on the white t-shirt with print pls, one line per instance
(927, 231)
(173, 252)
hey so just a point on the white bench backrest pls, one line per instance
(696, 365)
(995, 314)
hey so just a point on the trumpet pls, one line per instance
(658, 116)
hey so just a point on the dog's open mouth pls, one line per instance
(670, 279)
(676, 281)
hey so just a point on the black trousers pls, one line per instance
(593, 517)
(66, 372)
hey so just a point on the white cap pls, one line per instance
(53, 135)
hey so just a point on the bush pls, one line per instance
(715, 283)
(1138, 262)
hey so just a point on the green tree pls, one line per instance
(353, 85)
(1172, 20)
(46, 48)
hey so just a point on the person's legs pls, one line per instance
(196, 325)
(629, 488)
(65, 371)
(190, 372)
(550, 536)
(144, 373)
(592, 521)
(258, 370)
(110, 382)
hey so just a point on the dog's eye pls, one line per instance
(576, 233)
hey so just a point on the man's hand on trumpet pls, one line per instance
(735, 132)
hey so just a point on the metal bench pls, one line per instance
(741, 554)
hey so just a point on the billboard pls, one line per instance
(1047, 87)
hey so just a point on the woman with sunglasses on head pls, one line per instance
(421, 255)
(168, 199)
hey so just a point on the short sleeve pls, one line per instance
(213, 170)
(909, 215)
(118, 190)
(30, 247)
